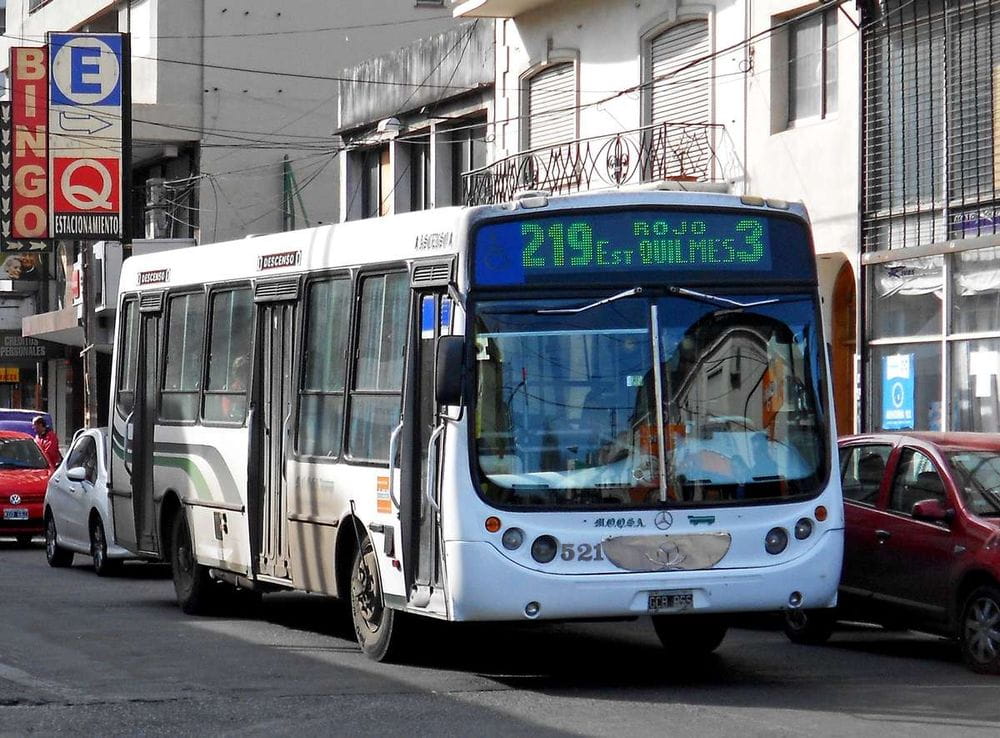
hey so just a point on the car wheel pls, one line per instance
(24, 539)
(980, 634)
(56, 555)
(195, 590)
(103, 566)
(379, 629)
(809, 627)
(690, 635)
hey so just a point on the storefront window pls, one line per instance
(975, 372)
(975, 280)
(905, 297)
(905, 387)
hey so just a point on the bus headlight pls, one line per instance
(512, 539)
(543, 550)
(775, 541)
(803, 528)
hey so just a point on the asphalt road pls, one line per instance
(80, 655)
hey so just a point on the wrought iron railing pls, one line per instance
(678, 151)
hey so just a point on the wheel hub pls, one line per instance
(367, 595)
(981, 631)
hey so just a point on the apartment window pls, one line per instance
(680, 74)
(420, 174)
(812, 67)
(550, 115)
(468, 152)
(376, 182)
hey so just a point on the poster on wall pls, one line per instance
(26, 266)
(897, 392)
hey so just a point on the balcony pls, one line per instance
(684, 152)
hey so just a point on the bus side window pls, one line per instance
(182, 373)
(229, 343)
(375, 397)
(321, 396)
(129, 357)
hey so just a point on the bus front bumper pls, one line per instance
(486, 586)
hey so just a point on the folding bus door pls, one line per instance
(270, 431)
(133, 423)
(420, 445)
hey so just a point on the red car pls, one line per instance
(922, 543)
(24, 473)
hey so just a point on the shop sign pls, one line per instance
(18, 349)
(897, 392)
(10, 375)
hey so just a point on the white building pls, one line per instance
(758, 98)
(233, 108)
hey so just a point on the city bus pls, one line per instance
(597, 406)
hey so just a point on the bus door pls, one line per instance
(431, 311)
(270, 427)
(134, 411)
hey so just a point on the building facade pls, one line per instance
(750, 98)
(231, 135)
(930, 218)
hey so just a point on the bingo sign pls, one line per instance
(87, 77)
(897, 392)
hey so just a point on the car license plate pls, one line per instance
(15, 513)
(671, 601)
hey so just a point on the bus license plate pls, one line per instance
(671, 601)
(15, 513)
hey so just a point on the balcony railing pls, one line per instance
(677, 151)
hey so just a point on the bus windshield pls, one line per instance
(572, 409)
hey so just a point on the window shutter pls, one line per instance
(553, 89)
(682, 97)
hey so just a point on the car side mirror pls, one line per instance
(76, 474)
(932, 511)
(450, 370)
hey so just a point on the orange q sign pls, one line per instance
(29, 208)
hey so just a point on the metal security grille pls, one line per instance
(552, 106)
(931, 87)
(679, 92)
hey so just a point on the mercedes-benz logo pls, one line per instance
(15, 499)
(663, 520)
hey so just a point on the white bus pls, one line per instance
(598, 406)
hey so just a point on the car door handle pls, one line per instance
(882, 535)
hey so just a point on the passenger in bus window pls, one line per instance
(233, 405)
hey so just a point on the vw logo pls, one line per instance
(663, 520)
(15, 499)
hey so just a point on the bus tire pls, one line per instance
(690, 635)
(809, 627)
(377, 627)
(192, 584)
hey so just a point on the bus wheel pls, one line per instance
(690, 635)
(191, 581)
(376, 626)
(809, 627)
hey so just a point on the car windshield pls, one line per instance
(21, 453)
(978, 475)
(566, 410)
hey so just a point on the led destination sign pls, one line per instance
(636, 245)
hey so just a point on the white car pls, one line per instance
(78, 508)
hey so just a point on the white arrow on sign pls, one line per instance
(82, 122)
(36, 245)
(5, 182)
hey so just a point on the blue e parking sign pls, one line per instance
(86, 69)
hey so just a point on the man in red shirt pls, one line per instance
(46, 439)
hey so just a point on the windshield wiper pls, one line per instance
(572, 311)
(717, 300)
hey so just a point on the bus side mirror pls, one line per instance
(450, 370)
